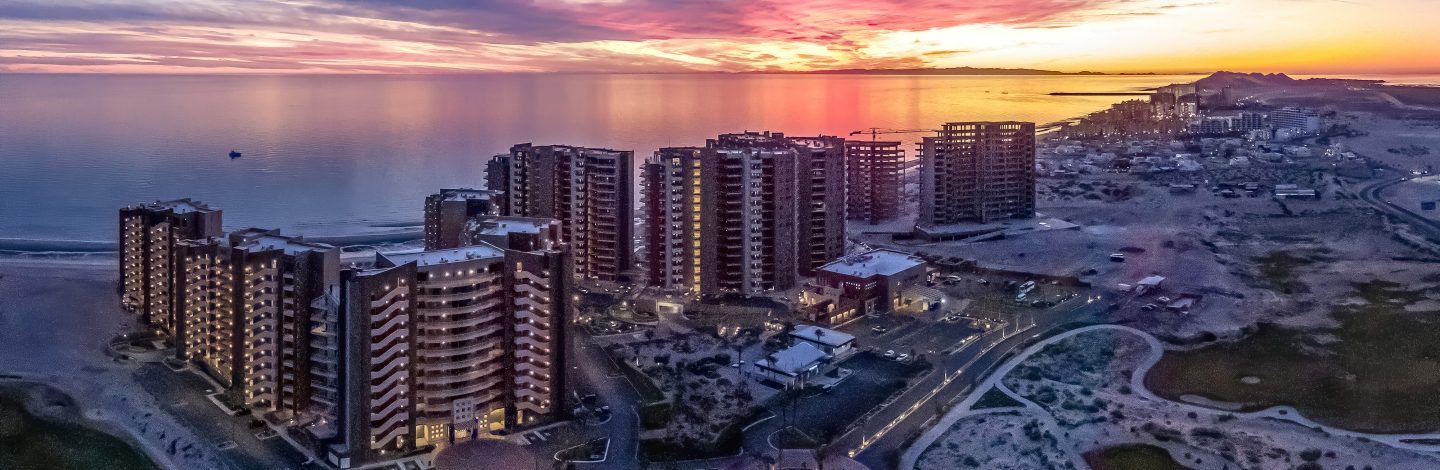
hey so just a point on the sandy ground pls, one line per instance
(1086, 392)
(1387, 132)
(56, 318)
(1202, 244)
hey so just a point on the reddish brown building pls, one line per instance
(861, 284)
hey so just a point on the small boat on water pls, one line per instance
(234, 154)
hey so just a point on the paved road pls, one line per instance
(1374, 194)
(591, 370)
(973, 362)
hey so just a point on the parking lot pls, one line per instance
(933, 338)
(826, 414)
(999, 298)
(910, 335)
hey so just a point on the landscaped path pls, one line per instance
(1137, 383)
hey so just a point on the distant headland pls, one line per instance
(947, 71)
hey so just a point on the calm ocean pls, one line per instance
(348, 155)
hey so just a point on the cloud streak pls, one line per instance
(426, 36)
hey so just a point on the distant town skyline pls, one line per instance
(448, 36)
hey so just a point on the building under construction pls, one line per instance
(977, 172)
(873, 173)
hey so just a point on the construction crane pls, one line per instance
(874, 132)
(893, 169)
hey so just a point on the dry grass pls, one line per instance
(1132, 457)
(1377, 371)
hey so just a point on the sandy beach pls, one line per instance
(57, 315)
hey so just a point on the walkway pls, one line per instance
(1137, 383)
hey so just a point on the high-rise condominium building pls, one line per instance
(820, 216)
(377, 361)
(1177, 100)
(873, 180)
(977, 172)
(483, 350)
(1305, 120)
(745, 214)
(245, 313)
(590, 191)
(489, 336)
(450, 213)
(372, 373)
(150, 234)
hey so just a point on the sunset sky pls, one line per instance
(432, 36)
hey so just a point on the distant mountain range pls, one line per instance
(1222, 79)
(952, 71)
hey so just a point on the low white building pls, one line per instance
(827, 340)
(794, 365)
(1149, 283)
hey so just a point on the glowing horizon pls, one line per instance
(447, 36)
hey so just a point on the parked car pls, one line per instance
(903, 358)
(1117, 257)
(879, 329)
(889, 354)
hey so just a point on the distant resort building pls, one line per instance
(1303, 121)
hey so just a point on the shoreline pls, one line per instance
(29, 387)
(60, 248)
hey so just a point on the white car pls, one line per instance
(903, 358)
(889, 354)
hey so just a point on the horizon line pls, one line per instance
(905, 72)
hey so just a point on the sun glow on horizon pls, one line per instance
(392, 36)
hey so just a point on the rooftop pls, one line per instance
(874, 263)
(820, 335)
(794, 360)
(453, 255)
(1152, 280)
(461, 194)
(255, 239)
(504, 225)
(820, 142)
(181, 206)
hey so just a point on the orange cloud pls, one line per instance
(438, 36)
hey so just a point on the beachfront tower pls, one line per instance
(589, 190)
(150, 235)
(746, 214)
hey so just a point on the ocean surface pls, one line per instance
(347, 155)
